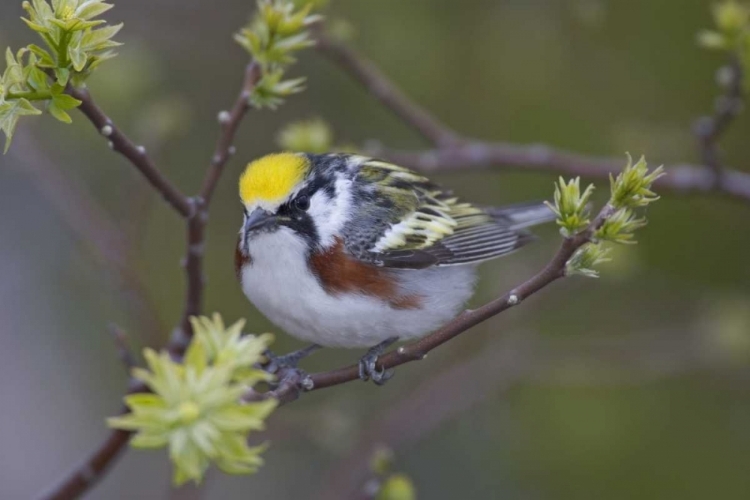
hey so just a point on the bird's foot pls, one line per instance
(368, 369)
(291, 360)
(285, 367)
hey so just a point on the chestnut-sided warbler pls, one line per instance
(344, 250)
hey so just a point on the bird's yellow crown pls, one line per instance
(270, 179)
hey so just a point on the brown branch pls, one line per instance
(229, 122)
(196, 224)
(195, 210)
(124, 352)
(389, 95)
(97, 464)
(709, 129)
(452, 152)
(136, 155)
(682, 178)
(91, 470)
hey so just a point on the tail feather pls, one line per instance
(523, 215)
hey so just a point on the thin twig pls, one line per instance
(91, 470)
(452, 152)
(96, 465)
(229, 122)
(682, 178)
(709, 129)
(193, 265)
(196, 224)
(367, 74)
(136, 155)
(195, 211)
(123, 349)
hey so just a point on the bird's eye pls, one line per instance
(302, 202)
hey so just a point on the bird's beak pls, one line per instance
(259, 219)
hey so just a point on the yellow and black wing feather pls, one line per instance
(428, 226)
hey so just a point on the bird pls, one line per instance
(344, 250)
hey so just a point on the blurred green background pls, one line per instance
(632, 386)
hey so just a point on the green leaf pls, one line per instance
(571, 206)
(37, 79)
(620, 227)
(586, 258)
(146, 440)
(101, 38)
(36, 27)
(59, 114)
(45, 58)
(68, 29)
(144, 400)
(75, 24)
(62, 76)
(10, 112)
(65, 102)
(92, 8)
(13, 75)
(632, 187)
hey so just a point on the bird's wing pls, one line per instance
(428, 226)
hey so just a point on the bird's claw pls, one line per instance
(287, 361)
(368, 364)
(368, 370)
(286, 370)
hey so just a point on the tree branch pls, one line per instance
(91, 470)
(97, 464)
(389, 95)
(682, 178)
(124, 352)
(709, 129)
(195, 210)
(136, 155)
(229, 122)
(452, 152)
(196, 224)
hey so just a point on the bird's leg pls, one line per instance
(288, 361)
(367, 364)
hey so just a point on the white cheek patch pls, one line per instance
(330, 215)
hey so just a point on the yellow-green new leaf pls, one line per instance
(397, 487)
(632, 187)
(10, 112)
(586, 259)
(196, 408)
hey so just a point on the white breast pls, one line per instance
(280, 284)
